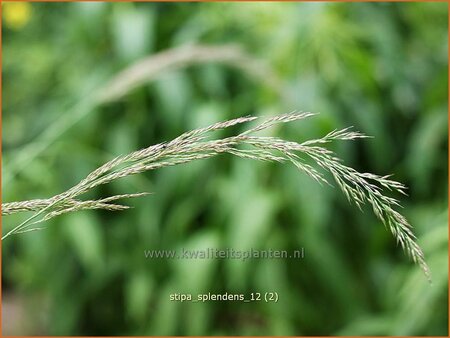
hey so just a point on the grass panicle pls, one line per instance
(359, 188)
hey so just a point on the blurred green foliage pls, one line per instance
(381, 67)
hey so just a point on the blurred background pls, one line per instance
(85, 82)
